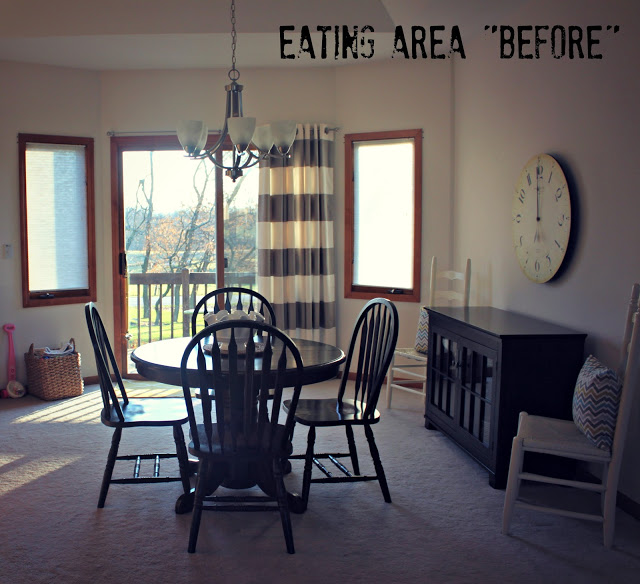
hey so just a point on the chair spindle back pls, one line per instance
(373, 342)
(242, 415)
(231, 298)
(105, 363)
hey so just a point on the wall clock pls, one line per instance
(541, 218)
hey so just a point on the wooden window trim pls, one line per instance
(57, 297)
(368, 292)
(120, 144)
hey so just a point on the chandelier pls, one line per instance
(251, 144)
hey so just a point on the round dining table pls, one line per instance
(160, 361)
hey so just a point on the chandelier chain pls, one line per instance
(234, 74)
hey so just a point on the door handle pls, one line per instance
(122, 263)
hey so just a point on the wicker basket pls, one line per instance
(53, 377)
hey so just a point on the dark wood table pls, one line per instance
(160, 361)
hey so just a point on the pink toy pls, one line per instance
(14, 388)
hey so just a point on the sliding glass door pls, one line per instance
(180, 228)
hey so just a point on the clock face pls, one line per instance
(541, 218)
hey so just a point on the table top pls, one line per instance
(503, 323)
(160, 360)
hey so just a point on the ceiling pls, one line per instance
(172, 34)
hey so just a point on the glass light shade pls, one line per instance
(192, 135)
(284, 133)
(241, 131)
(263, 138)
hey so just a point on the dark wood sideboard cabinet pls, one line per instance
(485, 366)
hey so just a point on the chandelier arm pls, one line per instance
(251, 161)
(247, 159)
(251, 155)
(240, 161)
(210, 155)
(220, 140)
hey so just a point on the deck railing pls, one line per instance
(160, 305)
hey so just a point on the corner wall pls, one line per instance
(585, 113)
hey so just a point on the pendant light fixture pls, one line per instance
(251, 144)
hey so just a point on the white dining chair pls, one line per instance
(596, 435)
(408, 369)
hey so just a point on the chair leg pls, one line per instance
(108, 470)
(183, 457)
(197, 505)
(609, 508)
(184, 504)
(605, 479)
(308, 465)
(424, 386)
(513, 483)
(609, 519)
(390, 381)
(375, 455)
(352, 450)
(283, 506)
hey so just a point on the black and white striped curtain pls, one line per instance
(296, 256)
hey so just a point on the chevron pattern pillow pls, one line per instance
(422, 335)
(595, 402)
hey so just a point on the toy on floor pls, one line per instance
(14, 388)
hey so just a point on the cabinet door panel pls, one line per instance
(443, 393)
(461, 390)
(476, 384)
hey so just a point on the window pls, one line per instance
(383, 214)
(57, 220)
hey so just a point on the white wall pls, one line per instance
(586, 114)
(42, 100)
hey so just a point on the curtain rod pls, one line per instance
(141, 133)
(164, 132)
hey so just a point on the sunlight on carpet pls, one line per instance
(152, 389)
(76, 410)
(31, 470)
(86, 407)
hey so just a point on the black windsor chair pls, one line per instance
(119, 412)
(240, 442)
(370, 352)
(229, 299)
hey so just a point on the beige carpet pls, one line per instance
(443, 524)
